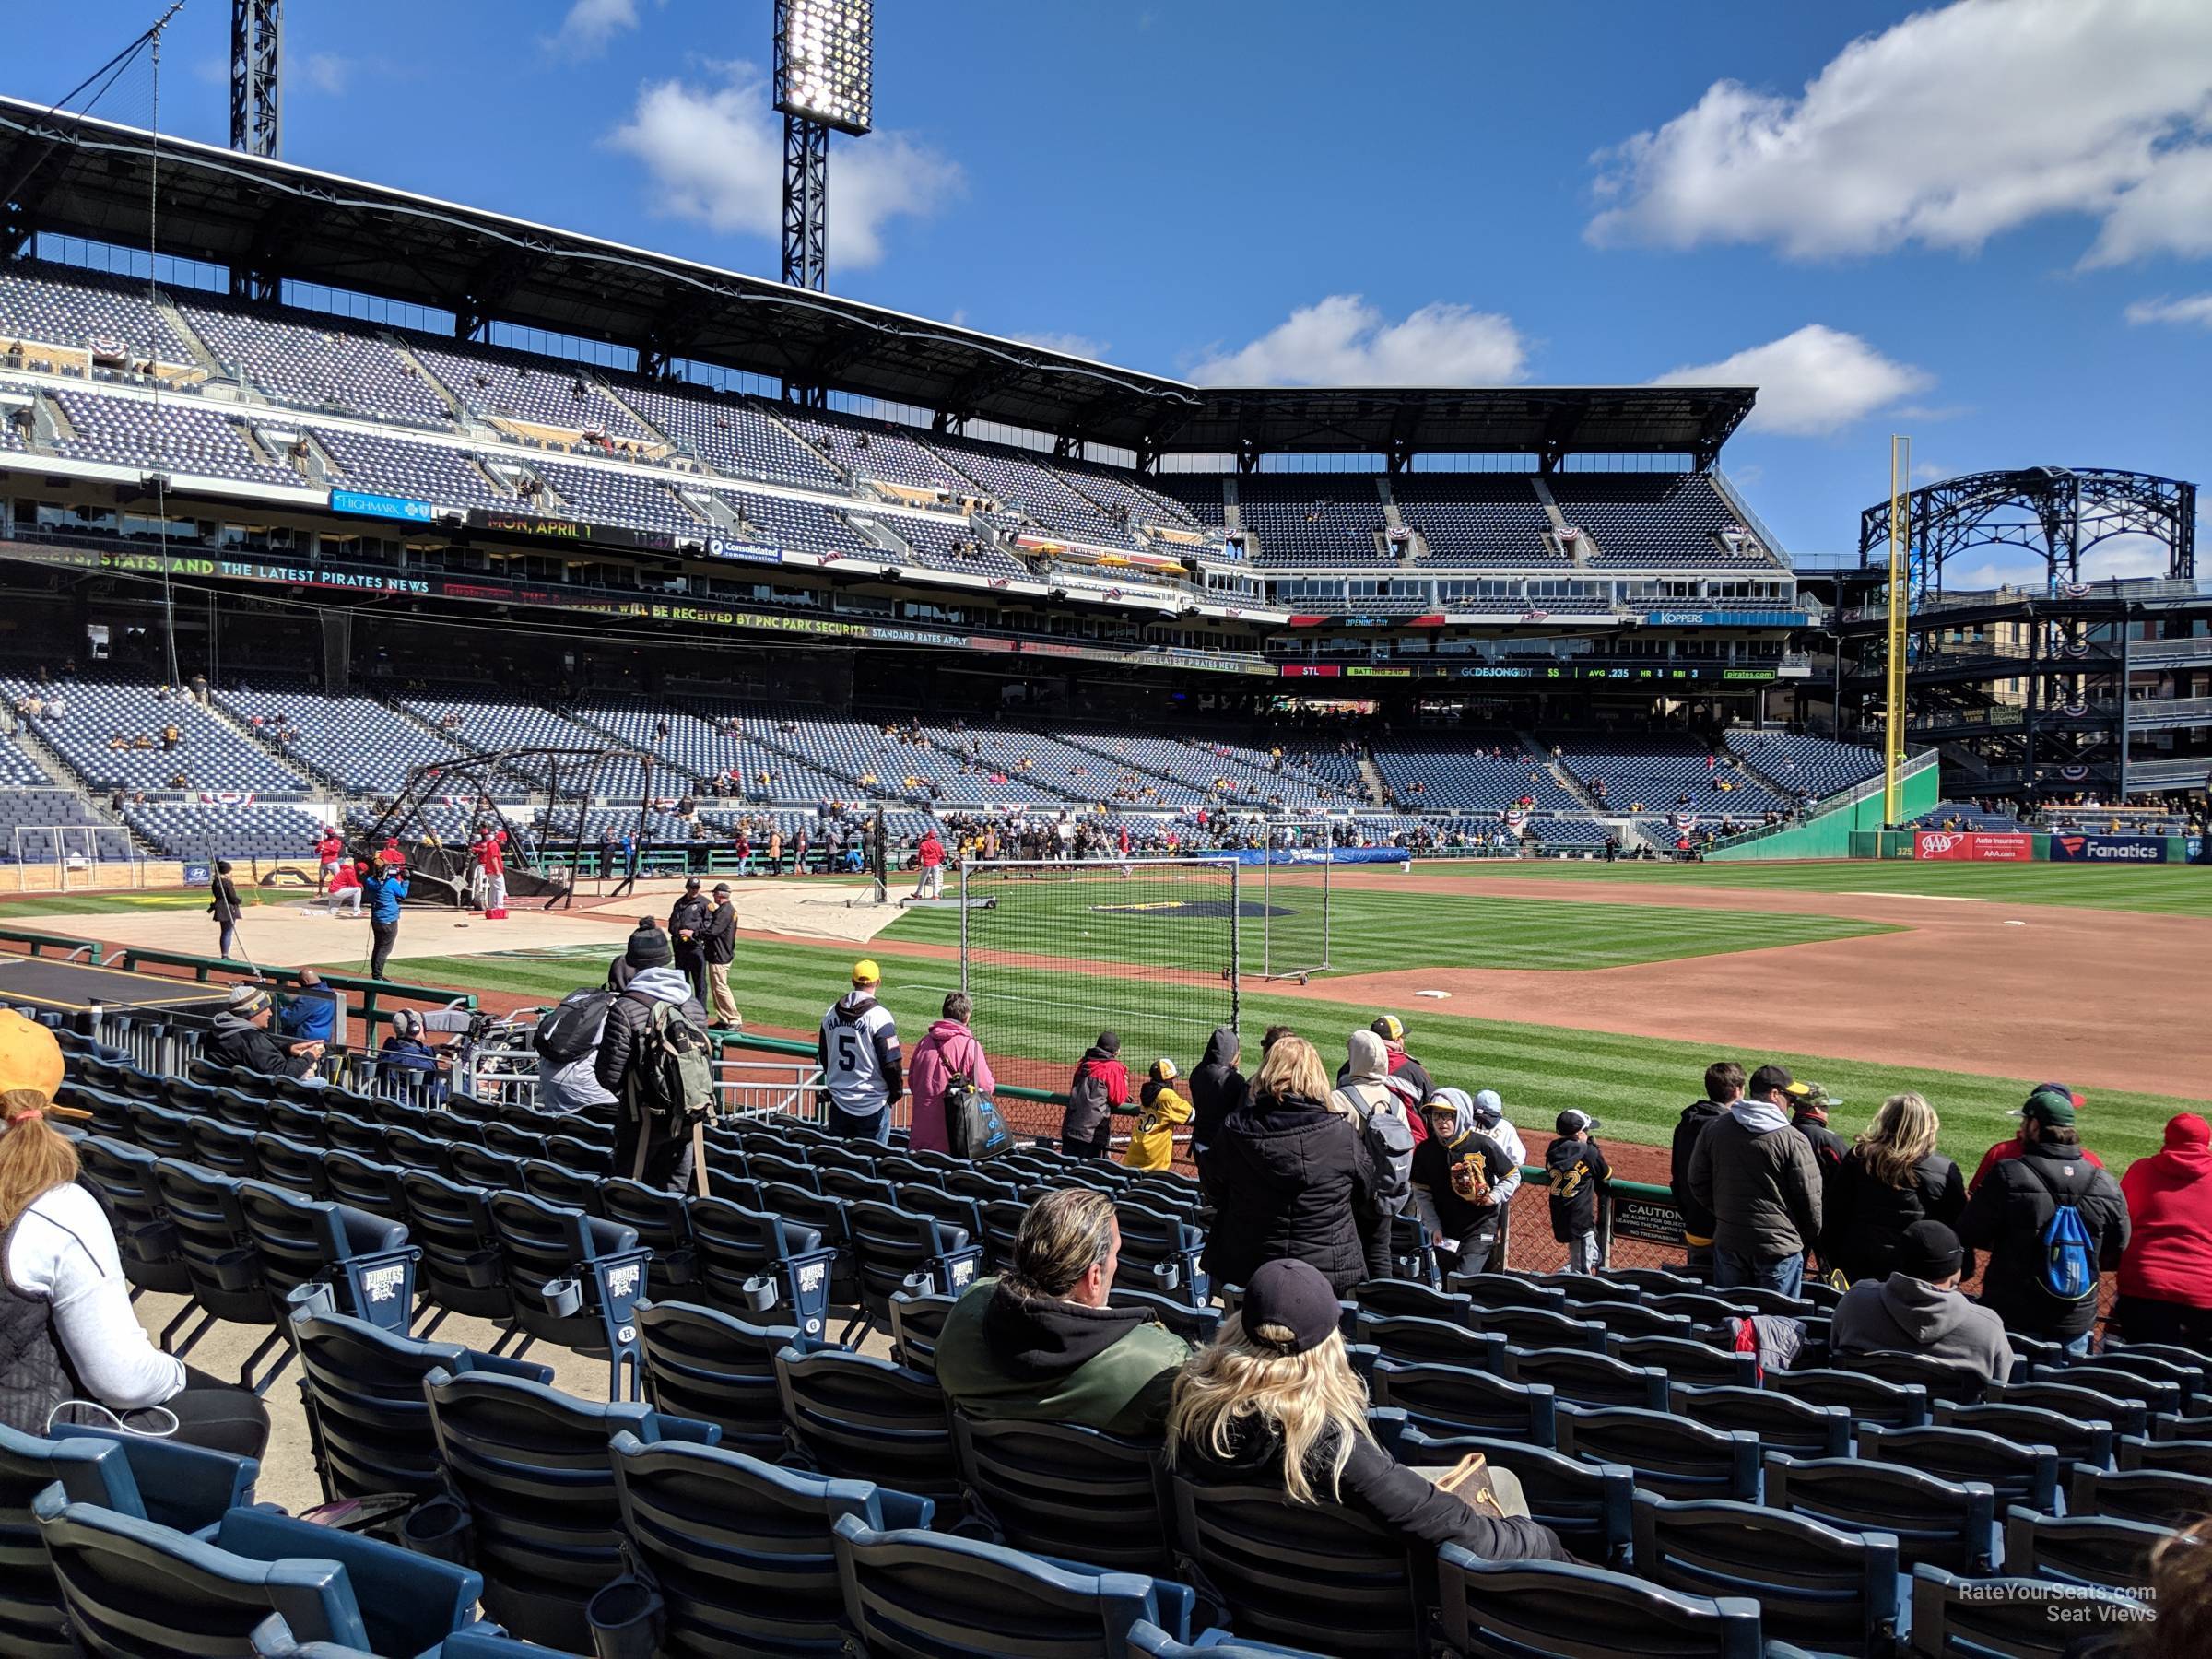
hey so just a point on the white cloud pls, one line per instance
(1810, 382)
(1072, 344)
(327, 72)
(2124, 557)
(1344, 341)
(715, 154)
(591, 24)
(2194, 308)
(1946, 129)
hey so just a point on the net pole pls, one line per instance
(1328, 880)
(963, 927)
(1236, 913)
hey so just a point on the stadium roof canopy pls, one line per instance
(267, 221)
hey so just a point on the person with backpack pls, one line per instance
(567, 1042)
(1723, 1088)
(2052, 1222)
(1577, 1170)
(1099, 1090)
(1892, 1178)
(2017, 1141)
(654, 1062)
(1160, 1109)
(947, 1053)
(1458, 1172)
(1381, 1110)
(862, 1068)
(688, 920)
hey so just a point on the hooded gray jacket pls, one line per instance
(1758, 1177)
(1905, 1315)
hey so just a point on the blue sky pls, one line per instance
(1988, 224)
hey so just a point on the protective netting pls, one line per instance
(1061, 951)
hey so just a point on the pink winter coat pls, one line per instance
(950, 1047)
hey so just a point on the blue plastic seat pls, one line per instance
(752, 1264)
(1832, 1590)
(1539, 1328)
(135, 1587)
(531, 1495)
(574, 1280)
(662, 1222)
(925, 1594)
(915, 1322)
(2083, 1405)
(365, 1260)
(1148, 1641)
(293, 1165)
(1685, 1361)
(1556, 1610)
(1868, 1399)
(739, 1550)
(123, 1177)
(1160, 1252)
(131, 1474)
(1964, 1617)
(1414, 1339)
(1946, 1380)
(1196, 1326)
(1670, 1455)
(1582, 1378)
(461, 1269)
(894, 1250)
(2103, 1551)
(1488, 1291)
(2074, 1440)
(2161, 1498)
(367, 1420)
(1403, 1299)
(856, 1418)
(2175, 1456)
(1065, 1490)
(1783, 1424)
(2016, 1473)
(1450, 1399)
(1947, 1523)
(706, 1365)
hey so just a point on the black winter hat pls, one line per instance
(1929, 1251)
(1110, 1042)
(648, 946)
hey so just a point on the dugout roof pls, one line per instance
(270, 220)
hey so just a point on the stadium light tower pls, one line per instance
(256, 51)
(825, 52)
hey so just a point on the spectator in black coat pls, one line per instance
(1217, 1089)
(1289, 1175)
(688, 920)
(1891, 1179)
(1274, 1402)
(2014, 1205)
(647, 947)
(1723, 1088)
(243, 1041)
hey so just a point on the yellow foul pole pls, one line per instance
(1893, 718)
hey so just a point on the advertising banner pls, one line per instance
(2107, 848)
(406, 508)
(1983, 846)
(1314, 855)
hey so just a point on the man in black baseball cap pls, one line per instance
(686, 924)
(1919, 1309)
(718, 941)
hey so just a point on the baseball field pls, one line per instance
(1608, 989)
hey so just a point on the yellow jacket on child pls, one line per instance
(1152, 1143)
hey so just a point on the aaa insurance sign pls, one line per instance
(1983, 846)
(2107, 848)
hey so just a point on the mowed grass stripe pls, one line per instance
(1371, 929)
(1636, 1084)
(2171, 889)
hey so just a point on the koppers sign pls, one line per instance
(2107, 848)
(1978, 845)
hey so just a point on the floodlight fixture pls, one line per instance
(825, 61)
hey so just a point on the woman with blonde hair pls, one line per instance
(1273, 1401)
(1892, 1178)
(1289, 1176)
(68, 1338)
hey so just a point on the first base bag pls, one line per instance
(973, 1128)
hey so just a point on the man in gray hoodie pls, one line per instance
(1919, 1308)
(1758, 1177)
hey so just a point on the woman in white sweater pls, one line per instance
(68, 1336)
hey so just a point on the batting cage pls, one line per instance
(1292, 920)
(1054, 953)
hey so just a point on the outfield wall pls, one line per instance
(2027, 847)
(1838, 832)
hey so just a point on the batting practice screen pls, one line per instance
(1054, 953)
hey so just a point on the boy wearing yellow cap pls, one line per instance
(1159, 1108)
(861, 1069)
